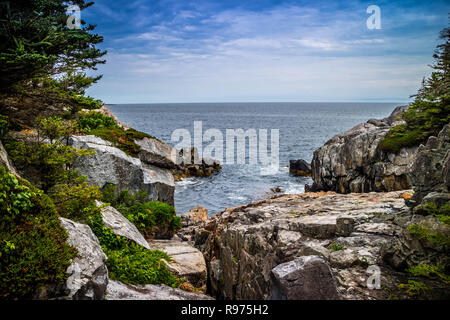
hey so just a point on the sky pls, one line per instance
(180, 51)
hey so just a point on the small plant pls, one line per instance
(414, 288)
(336, 247)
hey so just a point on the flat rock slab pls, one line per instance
(321, 227)
(188, 262)
(120, 291)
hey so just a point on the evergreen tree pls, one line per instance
(35, 42)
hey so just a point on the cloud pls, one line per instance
(208, 51)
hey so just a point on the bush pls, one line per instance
(95, 120)
(152, 218)
(423, 119)
(105, 127)
(3, 125)
(129, 262)
(34, 252)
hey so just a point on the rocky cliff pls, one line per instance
(308, 246)
(352, 162)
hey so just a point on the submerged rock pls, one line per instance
(352, 162)
(110, 165)
(120, 291)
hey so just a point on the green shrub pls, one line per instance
(129, 262)
(95, 120)
(431, 272)
(336, 247)
(414, 288)
(33, 252)
(150, 217)
(423, 119)
(105, 127)
(3, 125)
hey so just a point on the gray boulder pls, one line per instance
(110, 165)
(157, 153)
(88, 275)
(120, 291)
(121, 226)
(304, 278)
(352, 162)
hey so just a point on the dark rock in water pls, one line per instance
(304, 278)
(189, 164)
(300, 168)
(352, 162)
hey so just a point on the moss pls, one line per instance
(34, 252)
(422, 232)
(436, 272)
(414, 288)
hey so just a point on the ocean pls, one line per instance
(303, 127)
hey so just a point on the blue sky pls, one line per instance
(242, 51)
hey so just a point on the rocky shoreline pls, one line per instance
(316, 245)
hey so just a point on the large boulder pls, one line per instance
(110, 165)
(187, 261)
(352, 162)
(304, 278)
(120, 225)
(243, 245)
(88, 275)
(120, 291)
(157, 153)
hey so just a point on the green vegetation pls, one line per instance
(35, 42)
(34, 251)
(106, 128)
(424, 232)
(430, 271)
(50, 162)
(150, 217)
(431, 108)
(336, 247)
(414, 288)
(129, 262)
